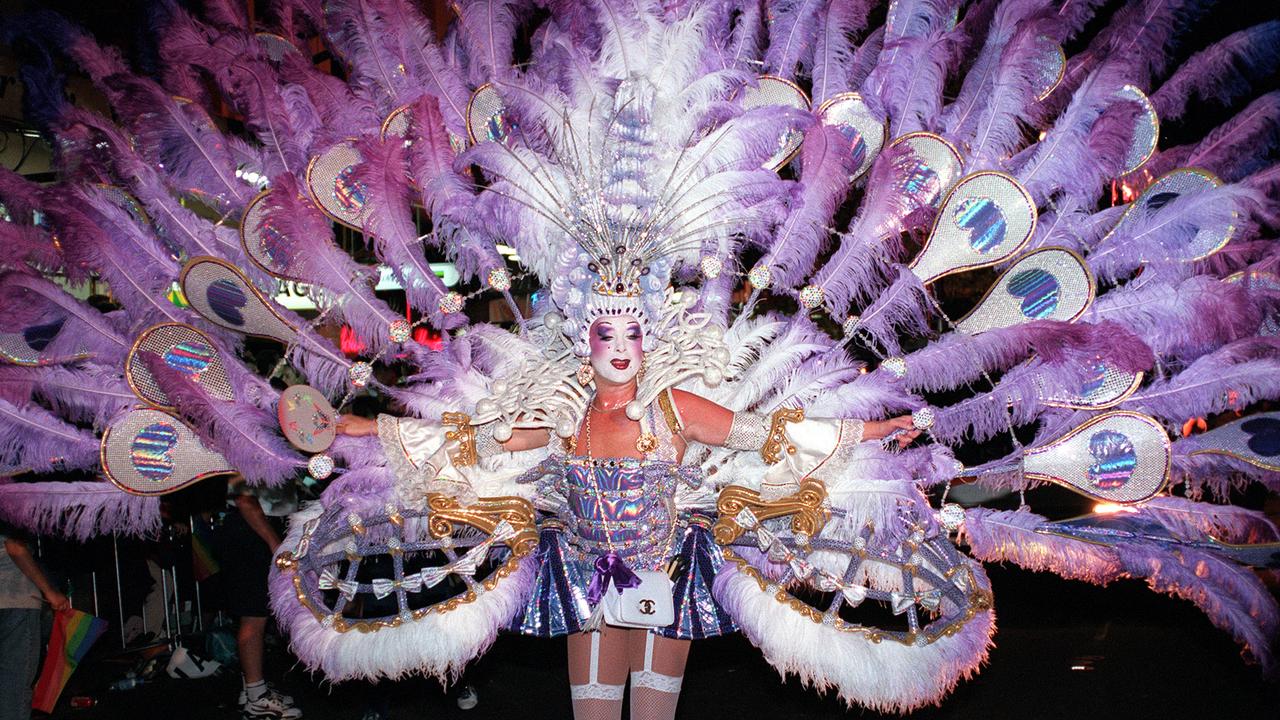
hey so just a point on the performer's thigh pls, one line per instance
(668, 657)
(612, 661)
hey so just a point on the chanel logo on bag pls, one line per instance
(646, 607)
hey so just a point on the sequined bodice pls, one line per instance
(622, 505)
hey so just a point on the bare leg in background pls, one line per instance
(249, 641)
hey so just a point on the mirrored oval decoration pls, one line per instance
(927, 170)
(986, 218)
(487, 118)
(1254, 439)
(1119, 457)
(1266, 282)
(28, 347)
(263, 242)
(125, 200)
(1146, 130)
(863, 132)
(397, 123)
(1105, 386)
(333, 187)
(150, 452)
(275, 47)
(222, 295)
(184, 349)
(772, 90)
(307, 419)
(1183, 181)
(1050, 66)
(1047, 284)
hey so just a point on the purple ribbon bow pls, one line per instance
(610, 567)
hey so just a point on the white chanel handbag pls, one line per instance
(648, 605)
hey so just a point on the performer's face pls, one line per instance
(616, 353)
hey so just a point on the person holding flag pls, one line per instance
(23, 585)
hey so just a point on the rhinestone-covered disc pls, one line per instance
(711, 266)
(399, 331)
(895, 366)
(760, 276)
(951, 516)
(359, 373)
(451, 303)
(320, 466)
(811, 296)
(500, 279)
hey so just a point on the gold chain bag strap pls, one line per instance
(647, 605)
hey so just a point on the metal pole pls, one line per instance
(177, 603)
(199, 621)
(164, 589)
(94, 579)
(115, 546)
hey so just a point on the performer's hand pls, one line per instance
(356, 425)
(879, 429)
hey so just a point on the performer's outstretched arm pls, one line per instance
(711, 424)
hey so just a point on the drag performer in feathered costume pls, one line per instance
(651, 442)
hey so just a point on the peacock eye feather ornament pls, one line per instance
(149, 452)
(334, 187)
(987, 217)
(1046, 284)
(184, 349)
(1119, 457)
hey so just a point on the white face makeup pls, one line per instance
(616, 348)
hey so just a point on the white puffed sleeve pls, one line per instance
(441, 457)
(789, 448)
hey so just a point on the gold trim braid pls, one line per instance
(667, 405)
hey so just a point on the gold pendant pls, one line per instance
(647, 442)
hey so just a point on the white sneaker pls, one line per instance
(244, 697)
(468, 698)
(271, 706)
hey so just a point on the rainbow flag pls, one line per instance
(74, 632)
(204, 563)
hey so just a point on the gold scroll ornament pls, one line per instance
(807, 506)
(484, 514)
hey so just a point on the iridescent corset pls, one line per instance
(624, 505)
